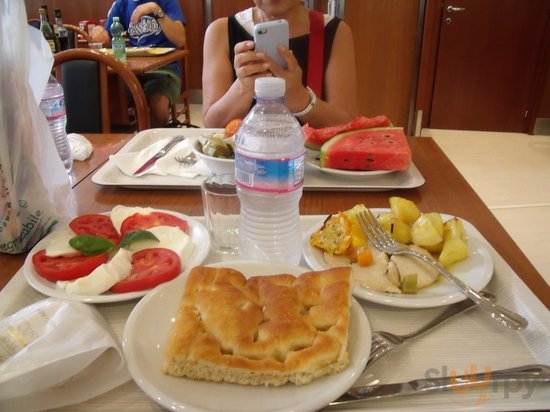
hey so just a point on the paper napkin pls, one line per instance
(129, 162)
(81, 148)
(55, 353)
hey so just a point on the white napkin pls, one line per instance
(81, 148)
(129, 162)
(56, 353)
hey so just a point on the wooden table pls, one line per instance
(142, 65)
(445, 191)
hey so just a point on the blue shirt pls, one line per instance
(147, 32)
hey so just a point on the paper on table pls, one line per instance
(48, 364)
(129, 162)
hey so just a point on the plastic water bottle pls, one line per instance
(118, 44)
(269, 173)
(53, 107)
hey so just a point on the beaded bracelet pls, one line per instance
(309, 107)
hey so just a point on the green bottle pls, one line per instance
(118, 43)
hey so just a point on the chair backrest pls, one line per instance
(184, 95)
(75, 69)
(75, 31)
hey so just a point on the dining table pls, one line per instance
(471, 340)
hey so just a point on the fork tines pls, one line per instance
(376, 233)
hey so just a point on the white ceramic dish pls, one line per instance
(217, 165)
(312, 159)
(199, 236)
(110, 175)
(475, 271)
(145, 337)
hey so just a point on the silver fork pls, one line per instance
(383, 342)
(383, 241)
(188, 160)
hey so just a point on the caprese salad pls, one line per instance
(133, 249)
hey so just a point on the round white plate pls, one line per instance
(476, 271)
(312, 159)
(199, 236)
(147, 331)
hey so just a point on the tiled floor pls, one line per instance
(511, 174)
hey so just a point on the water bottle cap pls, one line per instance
(269, 87)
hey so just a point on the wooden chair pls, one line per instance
(75, 30)
(83, 74)
(184, 96)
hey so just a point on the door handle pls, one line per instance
(454, 9)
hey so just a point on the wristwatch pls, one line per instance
(159, 14)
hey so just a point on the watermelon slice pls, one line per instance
(367, 149)
(315, 138)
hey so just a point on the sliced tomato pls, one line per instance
(66, 268)
(150, 267)
(140, 221)
(232, 127)
(95, 225)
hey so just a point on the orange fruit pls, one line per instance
(232, 127)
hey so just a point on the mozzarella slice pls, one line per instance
(103, 277)
(119, 213)
(58, 243)
(169, 237)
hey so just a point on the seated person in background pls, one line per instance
(156, 24)
(231, 65)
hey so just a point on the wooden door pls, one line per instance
(487, 63)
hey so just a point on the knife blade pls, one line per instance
(162, 152)
(531, 373)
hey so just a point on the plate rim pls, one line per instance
(361, 348)
(37, 283)
(312, 161)
(408, 301)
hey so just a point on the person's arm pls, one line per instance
(340, 105)
(223, 97)
(100, 35)
(174, 30)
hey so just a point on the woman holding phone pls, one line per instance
(320, 65)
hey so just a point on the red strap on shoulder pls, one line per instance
(315, 52)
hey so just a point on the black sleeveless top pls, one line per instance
(299, 45)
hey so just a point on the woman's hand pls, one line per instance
(249, 65)
(297, 96)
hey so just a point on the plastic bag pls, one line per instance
(55, 353)
(35, 189)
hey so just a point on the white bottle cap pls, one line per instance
(269, 87)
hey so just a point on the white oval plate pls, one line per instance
(312, 159)
(199, 236)
(147, 330)
(476, 271)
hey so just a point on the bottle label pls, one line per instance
(119, 49)
(53, 108)
(269, 175)
(52, 45)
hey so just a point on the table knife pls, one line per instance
(527, 373)
(159, 154)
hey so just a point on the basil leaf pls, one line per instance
(136, 236)
(91, 245)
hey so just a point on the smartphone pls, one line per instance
(268, 36)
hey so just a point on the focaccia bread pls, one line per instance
(267, 330)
